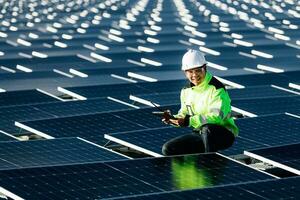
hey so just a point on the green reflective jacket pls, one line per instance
(207, 103)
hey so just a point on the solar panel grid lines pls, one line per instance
(266, 106)
(283, 156)
(75, 181)
(157, 171)
(94, 125)
(64, 151)
(84, 125)
(106, 90)
(73, 108)
(265, 189)
(114, 179)
(265, 79)
(10, 114)
(268, 130)
(28, 97)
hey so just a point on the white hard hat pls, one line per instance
(192, 59)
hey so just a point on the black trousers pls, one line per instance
(211, 138)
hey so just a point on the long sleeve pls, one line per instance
(183, 110)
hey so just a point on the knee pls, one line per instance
(166, 150)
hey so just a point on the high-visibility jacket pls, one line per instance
(207, 103)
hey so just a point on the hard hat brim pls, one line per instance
(187, 68)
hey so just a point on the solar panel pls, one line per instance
(188, 172)
(241, 144)
(72, 108)
(285, 156)
(124, 178)
(265, 79)
(268, 129)
(162, 98)
(269, 189)
(106, 90)
(63, 151)
(84, 181)
(269, 105)
(127, 89)
(145, 117)
(85, 126)
(149, 141)
(257, 92)
(26, 97)
(6, 165)
(9, 115)
(94, 125)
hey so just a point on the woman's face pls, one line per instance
(196, 75)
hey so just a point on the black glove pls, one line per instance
(184, 122)
(167, 116)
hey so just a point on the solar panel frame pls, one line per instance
(284, 156)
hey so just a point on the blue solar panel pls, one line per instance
(64, 151)
(106, 90)
(24, 98)
(93, 126)
(127, 89)
(268, 130)
(258, 92)
(270, 189)
(86, 126)
(188, 172)
(9, 115)
(124, 178)
(72, 108)
(285, 156)
(145, 117)
(265, 79)
(149, 141)
(241, 144)
(269, 105)
(85, 181)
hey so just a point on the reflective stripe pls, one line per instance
(218, 112)
(190, 110)
(203, 119)
(227, 116)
